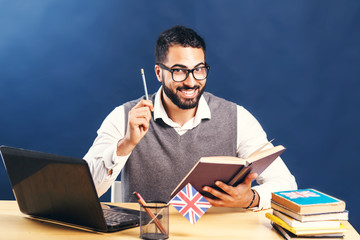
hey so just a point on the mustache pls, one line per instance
(187, 88)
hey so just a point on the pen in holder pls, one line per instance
(154, 219)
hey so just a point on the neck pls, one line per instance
(176, 114)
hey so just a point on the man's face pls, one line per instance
(186, 94)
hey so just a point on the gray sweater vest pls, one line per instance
(162, 158)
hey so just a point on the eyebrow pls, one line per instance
(183, 66)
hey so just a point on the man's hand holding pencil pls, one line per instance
(138, 124)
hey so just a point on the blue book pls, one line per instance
(308, 201)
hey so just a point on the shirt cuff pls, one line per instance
(112, 161)
(264, 198)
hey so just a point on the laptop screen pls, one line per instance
(53, 187)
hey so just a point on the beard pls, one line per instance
(183, 103)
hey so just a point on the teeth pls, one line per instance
(188, 92)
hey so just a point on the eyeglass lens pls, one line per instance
(199, 73)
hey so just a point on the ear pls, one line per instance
(157, 72)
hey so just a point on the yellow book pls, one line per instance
(300, 231)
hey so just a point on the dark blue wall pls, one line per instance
(64, 65)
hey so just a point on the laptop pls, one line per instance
(60, 188)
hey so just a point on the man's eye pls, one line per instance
(179, 70)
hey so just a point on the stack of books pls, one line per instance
(308, 213)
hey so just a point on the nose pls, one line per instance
(190, 81)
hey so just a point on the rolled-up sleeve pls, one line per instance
(103, 162)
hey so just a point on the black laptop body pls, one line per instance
(61, 188)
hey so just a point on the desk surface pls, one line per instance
(217, 223)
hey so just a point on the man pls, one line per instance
(156, 142)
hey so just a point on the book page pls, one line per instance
(263, 154)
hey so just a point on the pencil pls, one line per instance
(151, 214)
(144, 83)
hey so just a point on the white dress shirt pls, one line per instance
(105, 165)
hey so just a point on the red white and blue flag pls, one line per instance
(300, 194)
(190, 203)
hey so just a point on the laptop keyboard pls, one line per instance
(114, 218)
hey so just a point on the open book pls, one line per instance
(230, 170)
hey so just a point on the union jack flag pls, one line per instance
(190, 203)
(300, 194)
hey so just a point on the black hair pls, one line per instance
(177, 35)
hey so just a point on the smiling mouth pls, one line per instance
(188, 92)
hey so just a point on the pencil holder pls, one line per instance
(154, 220)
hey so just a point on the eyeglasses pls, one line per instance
(181, 74)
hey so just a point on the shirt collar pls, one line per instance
(203, 110)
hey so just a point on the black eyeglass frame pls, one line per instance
(188, 71)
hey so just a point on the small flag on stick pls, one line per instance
(190, 203)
